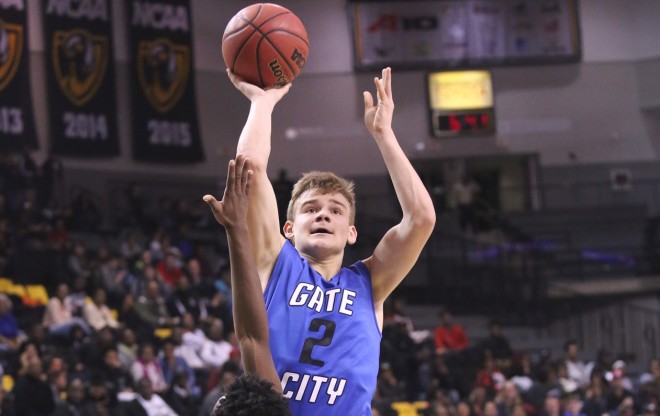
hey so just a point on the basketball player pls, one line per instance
(326, 320)
(258, 392)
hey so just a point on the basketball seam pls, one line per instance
(245, 19)
(261, 78)
(263, 36)
(284, 58)
(240, 48)
(266, 21)
(289, 33)
(230, 34)
(235, 32)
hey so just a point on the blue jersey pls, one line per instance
(324, 336)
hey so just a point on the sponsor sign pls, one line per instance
(468, 33)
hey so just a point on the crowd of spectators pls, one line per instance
(143, 325)
(139, 324)
(455, 376)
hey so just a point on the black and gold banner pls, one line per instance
(81, 79)
(163, 101)
(16, 119)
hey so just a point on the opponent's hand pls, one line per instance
(378, 117)
(273, 94)
(232, 210)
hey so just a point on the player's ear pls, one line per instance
(288, 230)
(352, 235)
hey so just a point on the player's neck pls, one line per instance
(327, 267)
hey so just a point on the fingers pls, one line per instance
(285, 88)
(246, 184)
(209, 199)
(279, 92)
(380, 89)
(380, 92)
(231, 176)
(243, 174)
(235, 79)
(238, 175)
(387, 77)
(384, 84)
(368, 100)
(281, 88)
(212, 202)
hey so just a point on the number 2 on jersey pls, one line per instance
(324, 341)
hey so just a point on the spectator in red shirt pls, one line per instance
(169, 269)
(58, 234)
(449, 336)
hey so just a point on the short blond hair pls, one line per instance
(325, 183)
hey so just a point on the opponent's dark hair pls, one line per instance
(251, 396)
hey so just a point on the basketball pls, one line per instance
(265, 44)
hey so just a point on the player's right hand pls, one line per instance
(271, 95)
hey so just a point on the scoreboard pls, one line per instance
(461, 103)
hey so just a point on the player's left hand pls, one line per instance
(378, 117)
(232, 210)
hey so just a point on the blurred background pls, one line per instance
(538, 292)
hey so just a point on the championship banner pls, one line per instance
(81, 78)
(433, 34)
(163, 103)
(16, 119)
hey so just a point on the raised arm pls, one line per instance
(255, 144)
(399, 249)
(250, 319)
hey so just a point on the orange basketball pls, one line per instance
(265, 44)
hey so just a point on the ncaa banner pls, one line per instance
(164, 110)
(81, 79)
(16, 119)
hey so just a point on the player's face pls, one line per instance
(321, 226)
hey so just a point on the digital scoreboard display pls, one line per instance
(461, 103)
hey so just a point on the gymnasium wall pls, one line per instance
(592, 109)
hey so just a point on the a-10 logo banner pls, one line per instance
(16, 120)
(81, 80)
(163, 103)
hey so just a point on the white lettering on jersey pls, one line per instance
(316, 299)
(325, 388)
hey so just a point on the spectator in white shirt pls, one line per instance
(185, 351)
(215, 350)
(58, 317)
(192, 335)
(97, 314)
(146, 402)
(578, 370)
